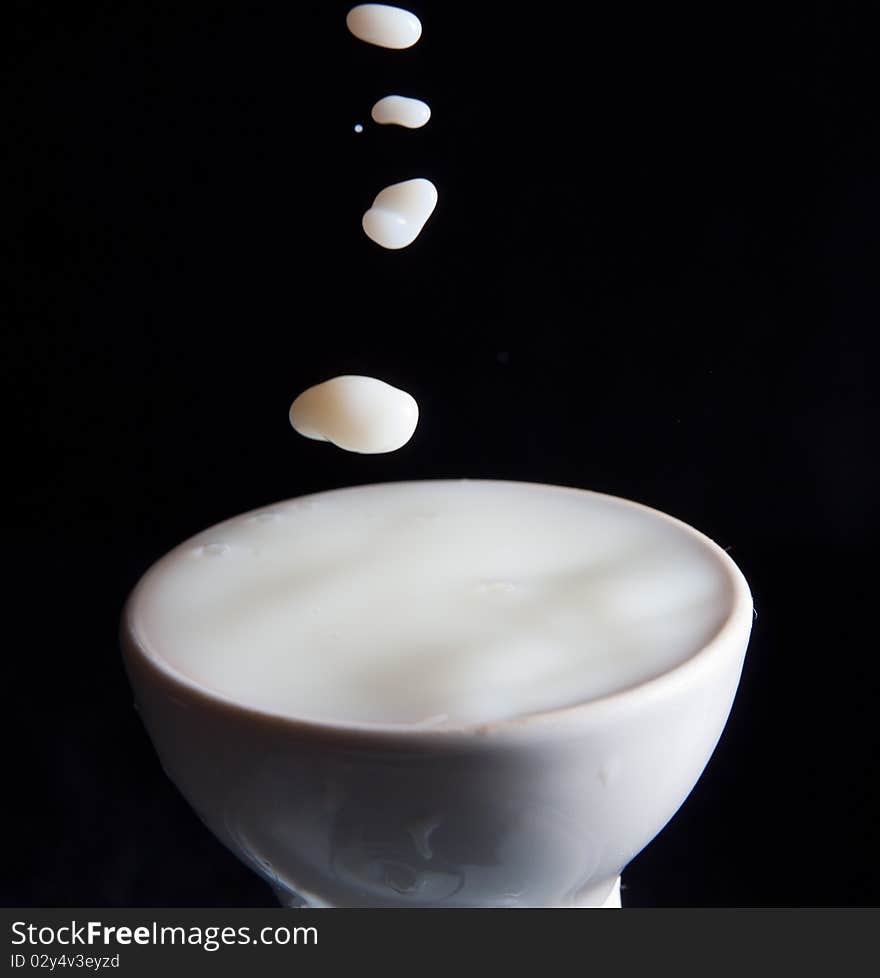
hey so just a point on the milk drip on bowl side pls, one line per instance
(398, 110)
(359, 414)
(384, 26)
(399, 213)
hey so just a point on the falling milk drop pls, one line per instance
(359, 414)
(397, 110)
(399, 213)
(384, 26)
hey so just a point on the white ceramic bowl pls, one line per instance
(543, 810)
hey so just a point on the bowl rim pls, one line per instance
(731, 637)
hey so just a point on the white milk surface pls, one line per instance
(432, 603)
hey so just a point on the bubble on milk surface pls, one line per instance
(270, 516)
(213, 550)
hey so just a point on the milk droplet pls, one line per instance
(214, 549)
(399, 213)
(359, 414)
(384, 26)
(302, 505)
(398, 110)
(497, 587)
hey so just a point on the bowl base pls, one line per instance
(294, 901)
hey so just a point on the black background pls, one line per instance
(653, 271)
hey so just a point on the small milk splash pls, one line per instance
(384, 26)
(398, 110)
(359, 414)
(399, 213)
